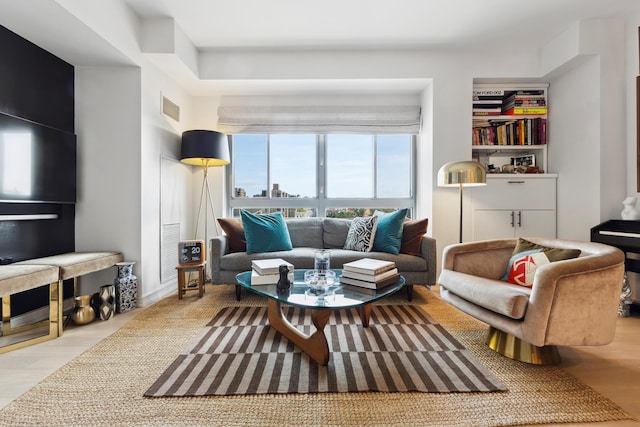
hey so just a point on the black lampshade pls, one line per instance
(204, 148)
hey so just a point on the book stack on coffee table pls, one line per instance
(369, 273)
(267, 271)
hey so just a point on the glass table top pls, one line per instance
(337, 296)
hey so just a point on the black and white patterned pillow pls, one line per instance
(361, 234)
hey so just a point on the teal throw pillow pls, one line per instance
(265, 232)
(388, 236)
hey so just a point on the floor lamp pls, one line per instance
(205, 148)
(462, 174)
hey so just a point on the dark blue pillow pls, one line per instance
(265, 232)
(388, 236)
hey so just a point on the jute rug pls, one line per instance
(105, 385)
(403, 349)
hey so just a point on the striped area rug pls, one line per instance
(403, 349)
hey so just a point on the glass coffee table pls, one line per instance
(337, 297)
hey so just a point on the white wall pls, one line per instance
(108, 127)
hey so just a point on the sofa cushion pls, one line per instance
(361, 234)
(412, 233)
(335, 232)
(305, 232)
(527, 257)
(388, 236)
(265, 232)
(494, 295)
(235, 233)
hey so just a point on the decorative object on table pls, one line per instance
(205, 148)
(319, 281)
(630, 212)
(461, 174)
(191, 252)
(126, 285)
(283, 282)
(321, 260)
(368, 266)
(83, 313)
(107, 297)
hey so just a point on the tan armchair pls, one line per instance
(572, 302)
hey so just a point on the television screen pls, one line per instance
(37, 162)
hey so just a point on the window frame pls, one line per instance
(320, 203)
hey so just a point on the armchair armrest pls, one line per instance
(487, 258)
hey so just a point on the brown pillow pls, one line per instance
(412, 233)
(234, 230)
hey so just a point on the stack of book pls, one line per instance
(487, 102)
(267, 271)
(369, 273)
(525, 102)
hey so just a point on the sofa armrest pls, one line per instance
(219, 247)
(429, 252)
(487, 258)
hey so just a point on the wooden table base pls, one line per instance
(314, 345)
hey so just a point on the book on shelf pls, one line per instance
(369, 277)
(369, 284)
(368, 266)
(487, 111)
(267, 279)
(270, 265)
(525, 111)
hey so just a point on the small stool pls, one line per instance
(183, 285)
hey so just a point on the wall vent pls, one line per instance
(169, 251)
(170, 109)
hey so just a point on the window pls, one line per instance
(336, 175)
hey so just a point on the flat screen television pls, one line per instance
(37, 162)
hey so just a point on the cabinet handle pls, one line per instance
(515, 182)
(513, 219)
(519, 218)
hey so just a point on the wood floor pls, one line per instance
(612, 370)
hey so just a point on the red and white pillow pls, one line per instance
(527, 257)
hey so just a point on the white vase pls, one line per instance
(630, 212)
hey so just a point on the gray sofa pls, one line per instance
(309, 234)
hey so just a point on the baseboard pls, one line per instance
(168, 289)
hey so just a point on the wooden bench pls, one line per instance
(30, 274)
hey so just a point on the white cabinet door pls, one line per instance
(536, 223)
(504, 224)
(492, 224)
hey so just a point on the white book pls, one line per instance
(369, 266)
(267, 279)
(370, 285)
(369, 277)
(270, 265)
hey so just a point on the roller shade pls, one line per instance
(319, 119)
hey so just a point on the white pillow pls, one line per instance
(361, 234)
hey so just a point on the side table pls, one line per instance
(183, 282)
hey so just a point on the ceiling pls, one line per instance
(296, 24)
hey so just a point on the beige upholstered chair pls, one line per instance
(572, 302)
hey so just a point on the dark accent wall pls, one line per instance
(37, 86)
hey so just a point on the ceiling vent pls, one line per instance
(170, 109)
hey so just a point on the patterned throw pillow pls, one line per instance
(361, 234)
(527, 257)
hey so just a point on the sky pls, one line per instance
(350, 163)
